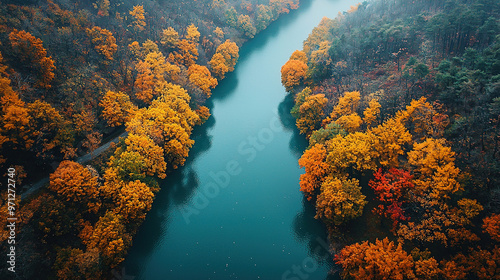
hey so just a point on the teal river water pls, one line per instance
(234, 211)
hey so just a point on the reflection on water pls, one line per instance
(298, 143)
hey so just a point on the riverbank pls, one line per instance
(254, 224)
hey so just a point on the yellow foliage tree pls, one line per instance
(371, 113)
(310, 113)
(391, 137)
(434, 167)
(340, 200)
(117, 108)
(168, 122)
(202, 78)
(110, 189)
(347, 104)
(109, 236)
(139, 22)
(169, 38)
(417, 117)
(350, 123)
(193, 34)
(245, 23)
(153, 74)
(153, 154)
(135, 201)
(354, 150)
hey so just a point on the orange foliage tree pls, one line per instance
(103, 40)
(15, 119)
(74, 263)
(33, 55)
(313, 160)
(299, 55)
(204, 113)
(186, 54)
(110, 237)
(293, 74)
(491, 225)
(74, 183)
(224, 59)
(380, 260)
(441, 223)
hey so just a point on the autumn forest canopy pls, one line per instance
(73, 75)
(400, 103)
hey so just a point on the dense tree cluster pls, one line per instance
(73, 74)
(408, 117)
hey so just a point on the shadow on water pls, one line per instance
(313, 233)
(225, 88)
(298, 143)
(175, 191)
(202, 140)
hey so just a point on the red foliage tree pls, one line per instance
(390, 188)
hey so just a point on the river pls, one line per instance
(234, 211)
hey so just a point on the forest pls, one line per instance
(73, 75)
(400, 102)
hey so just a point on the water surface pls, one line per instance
(234, 211)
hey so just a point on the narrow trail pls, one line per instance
(33, 188)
